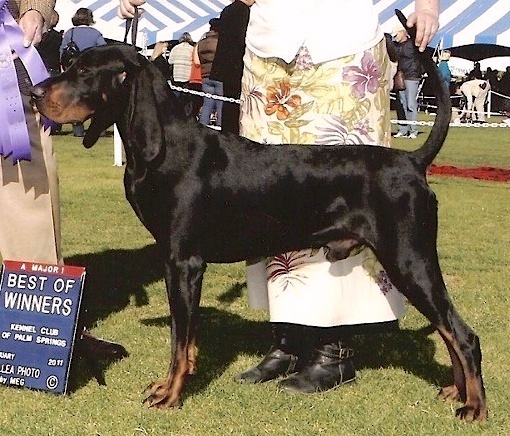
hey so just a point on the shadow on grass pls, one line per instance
(116, 277)
(410, 350)
(223, 336)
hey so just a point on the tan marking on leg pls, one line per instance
(475, 408)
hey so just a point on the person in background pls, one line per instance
(492, 76)
(159, 60)
(227, 66)
(30, 228)
(186, 74)
(180, 58)
(474, 96)
(476, 72)
(49, 50)
(206, 49)
(504, 83)
(444, 68)
(85, 36)
(195, 84)
(299, 89)
(497, 101)
(410, 65)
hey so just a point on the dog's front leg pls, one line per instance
(184, 285)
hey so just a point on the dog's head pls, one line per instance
(92, 87)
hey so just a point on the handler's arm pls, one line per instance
(127, 7)
(34, 15)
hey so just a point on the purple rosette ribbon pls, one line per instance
(14, 136)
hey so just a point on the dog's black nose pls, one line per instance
(37, 92)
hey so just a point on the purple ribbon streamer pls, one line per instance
(14, 135)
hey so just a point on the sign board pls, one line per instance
(39, 307)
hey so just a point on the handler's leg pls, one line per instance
(306, 290)
(29, 201)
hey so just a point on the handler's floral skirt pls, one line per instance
(344, 101)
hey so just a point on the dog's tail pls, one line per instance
(426, 153)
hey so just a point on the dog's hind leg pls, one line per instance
(184, 284)
(466, 358)
(412, 265)
(456, 391)
(419, 279)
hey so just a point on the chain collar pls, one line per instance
(203, 94)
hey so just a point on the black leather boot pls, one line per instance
(282, 357)
(331, 366)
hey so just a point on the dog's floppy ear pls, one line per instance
(128, 62)
(99, 123)
(148, 106)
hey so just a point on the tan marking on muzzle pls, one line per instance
(57, 106)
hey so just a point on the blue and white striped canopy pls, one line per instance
(162, 20)
(463, 22)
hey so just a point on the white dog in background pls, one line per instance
(475, 93)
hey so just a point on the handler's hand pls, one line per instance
(426, 23)
(127, 8)
(32, 24)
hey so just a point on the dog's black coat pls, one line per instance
(208, 197)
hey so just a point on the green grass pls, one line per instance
(399, 374)
(467, 146)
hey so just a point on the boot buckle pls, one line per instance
(345, 353)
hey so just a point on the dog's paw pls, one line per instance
(160, 396)
(471, 413)
(450, 393)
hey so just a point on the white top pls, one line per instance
(330, 29)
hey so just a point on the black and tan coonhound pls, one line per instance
(212, 197)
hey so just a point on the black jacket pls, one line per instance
(408, 60)
(49, 49)
(227, 66)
